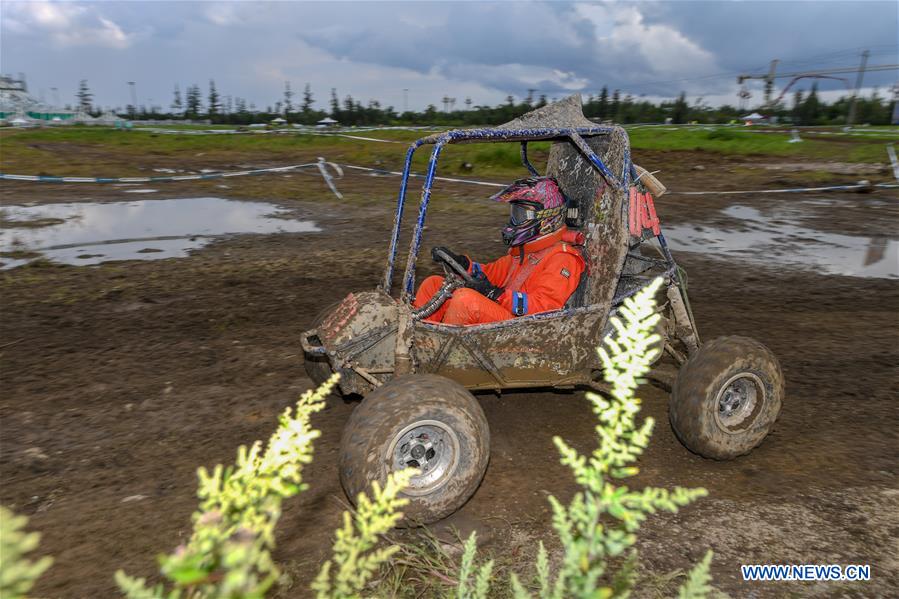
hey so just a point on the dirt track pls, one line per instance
(119, 380)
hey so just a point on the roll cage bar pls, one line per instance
(524, 135)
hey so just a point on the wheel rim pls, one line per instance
(739, 401)
(430, 446)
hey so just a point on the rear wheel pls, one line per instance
(426, 422)
(726, 397)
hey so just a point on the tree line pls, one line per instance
(196, 103)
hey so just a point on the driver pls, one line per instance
(539, 273)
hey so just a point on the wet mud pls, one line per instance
(120, 379)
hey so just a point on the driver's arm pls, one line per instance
(496, 271)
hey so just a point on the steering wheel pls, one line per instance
(456, 277)
(451, 267)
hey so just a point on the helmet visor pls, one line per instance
(522, 213)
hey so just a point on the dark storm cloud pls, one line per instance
(740, 36)
(480, 50)
(470, 40)
(803, 35)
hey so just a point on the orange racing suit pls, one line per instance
(538, 276)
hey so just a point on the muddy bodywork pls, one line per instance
(373, 336)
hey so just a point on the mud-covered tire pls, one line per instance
(726, 397)
(386, 430)
(317, 367)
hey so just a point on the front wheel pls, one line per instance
(426, 422)
(726, 397)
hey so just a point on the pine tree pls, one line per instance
(177, 104)
(194, 102)
(288, 96)
(214, 103)
(335, 104)
(811, 108)
(616, 104)
(797, 107)
(307, 99)
(604, 103)
(84, 96)
(349, 110)
(681, 109)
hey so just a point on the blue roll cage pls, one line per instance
(573, 134)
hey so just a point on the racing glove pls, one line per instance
(481, 284)
(463, 261)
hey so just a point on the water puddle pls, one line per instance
(91, 233)
(779, 240)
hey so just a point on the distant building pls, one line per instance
(326, 122)
(754, 119)
(16, 105)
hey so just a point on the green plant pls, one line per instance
(17, 573)
(601, 521)
(356, 557)
(468, 571)
(229, 553)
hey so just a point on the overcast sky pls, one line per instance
(481, 50)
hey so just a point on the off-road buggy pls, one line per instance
(416, 375)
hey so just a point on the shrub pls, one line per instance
(229, 551)
(602, 519)
(17, 573)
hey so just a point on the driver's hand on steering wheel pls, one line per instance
(463, 261)
(481, 284)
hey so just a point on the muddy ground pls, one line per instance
(119, 380)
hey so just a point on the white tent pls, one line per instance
(327, 122)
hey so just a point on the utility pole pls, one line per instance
(405, 99)
(858, 87)
(769, 81)
(771, 75)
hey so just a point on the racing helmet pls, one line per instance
(537, 209)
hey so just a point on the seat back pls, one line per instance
(600, 212)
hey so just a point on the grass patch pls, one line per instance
(85, 151)
(736, 141)
(426, 566)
